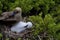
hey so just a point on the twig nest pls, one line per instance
(17, 35)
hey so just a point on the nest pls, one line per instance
(5, 29)
(10, 34)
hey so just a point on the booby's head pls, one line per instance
(18, 10)
(29, 24)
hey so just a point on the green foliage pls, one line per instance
(48, 22)
(38, 24)
(1, 35)
(7, 38)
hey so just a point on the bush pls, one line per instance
(47, 25)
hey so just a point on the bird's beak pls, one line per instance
(25, 26)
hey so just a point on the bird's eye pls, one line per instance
(26, 26)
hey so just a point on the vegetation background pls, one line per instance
(45, 15)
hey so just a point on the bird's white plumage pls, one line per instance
(29, 24)
(19, 27)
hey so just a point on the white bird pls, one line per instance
(21, 26)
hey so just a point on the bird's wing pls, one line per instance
(19, 26)
(17, 29)
(20, 30)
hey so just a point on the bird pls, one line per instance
(16, 14)
(21, 26)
